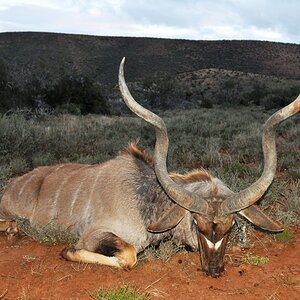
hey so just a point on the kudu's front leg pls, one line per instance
(103, 248)
(11, 229)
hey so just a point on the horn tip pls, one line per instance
(121, 69)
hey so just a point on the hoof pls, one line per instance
(66, 251)
(12, 233)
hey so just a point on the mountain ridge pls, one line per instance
(48, 56)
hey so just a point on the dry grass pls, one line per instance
(50, 234)
(164, 251)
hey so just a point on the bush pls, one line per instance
(275, 100)
(207, 103)
(71, 94)
(6, 91)
(258, 92)
(77, 95)
(163, 91)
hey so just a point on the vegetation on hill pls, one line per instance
(78, 73)
(49, 56)
(209, 87)
(71, 94)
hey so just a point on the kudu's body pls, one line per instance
(120, 197)
(120, 207)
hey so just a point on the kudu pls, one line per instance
(120, 207)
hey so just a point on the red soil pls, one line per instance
(29, 270)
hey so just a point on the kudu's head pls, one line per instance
(213, 215)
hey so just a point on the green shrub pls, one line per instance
(286, 236)
(123, 293)
(43, 159)
(254, 260)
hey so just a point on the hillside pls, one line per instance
(48, 56)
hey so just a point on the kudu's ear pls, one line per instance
(260, 219)
(168, 220)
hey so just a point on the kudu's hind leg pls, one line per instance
(11, 229)
(106, 249)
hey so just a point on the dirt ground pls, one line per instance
(29, 270)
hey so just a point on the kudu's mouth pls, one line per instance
(214, 270)
(212, 255)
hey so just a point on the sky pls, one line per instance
(271, 20)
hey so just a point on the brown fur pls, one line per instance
(133, 150)
(190, 177)
(193, 176)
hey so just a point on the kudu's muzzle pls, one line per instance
(212, 255)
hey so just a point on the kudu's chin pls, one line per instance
(212, 255)
(214, 272)
(213, 268)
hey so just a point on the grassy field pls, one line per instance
(227, 142)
